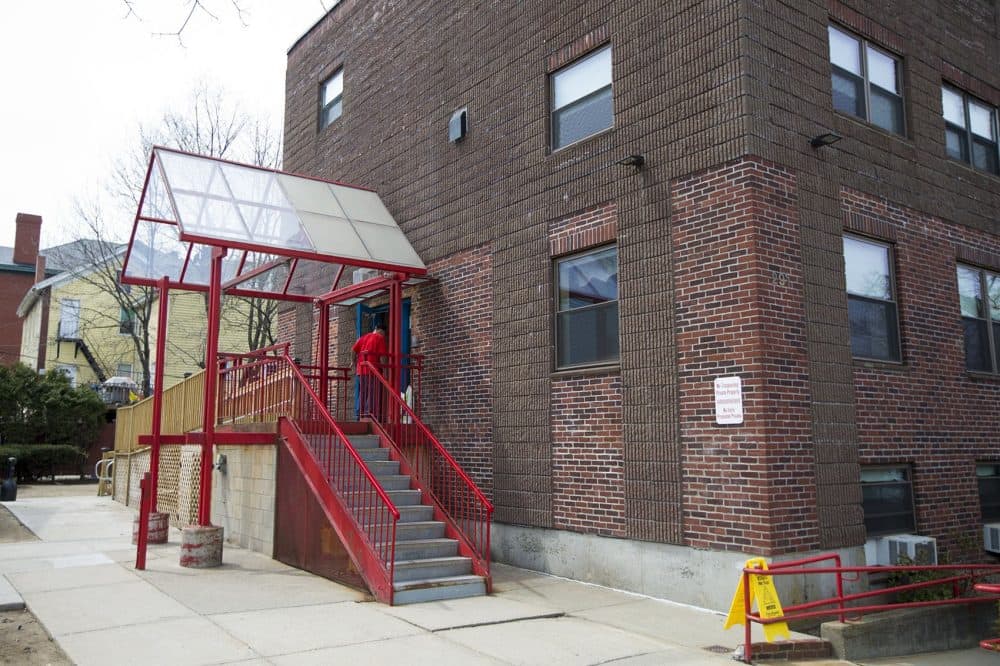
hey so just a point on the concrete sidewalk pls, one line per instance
(80, 582)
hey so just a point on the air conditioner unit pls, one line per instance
(362, 274)
(917, 549)
(991, 537)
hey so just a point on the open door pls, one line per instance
(365, 321)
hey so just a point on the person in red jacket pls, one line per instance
(371, 347)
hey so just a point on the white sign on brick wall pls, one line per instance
(728, 400)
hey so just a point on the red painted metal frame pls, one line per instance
(324, 353)
(142, 538)
(458, 502)
(157, 426)
(356, 290)
(805, 610)
(991, 644)
(211, 381)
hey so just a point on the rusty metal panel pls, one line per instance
(303, 536)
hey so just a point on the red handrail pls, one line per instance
(464, 507)
(804, 610)
(267, 388)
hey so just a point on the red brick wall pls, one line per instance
(591, 227)
(451, 320)
(928, 411)
(588, 481)
(13, 287)
(738, 285)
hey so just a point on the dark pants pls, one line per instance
(368, 396)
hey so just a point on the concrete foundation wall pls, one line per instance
(701, 578)
(243, 496)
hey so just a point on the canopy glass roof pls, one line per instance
(292, 235)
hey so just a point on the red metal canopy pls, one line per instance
(290, 237)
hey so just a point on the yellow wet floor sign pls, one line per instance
(761, 589)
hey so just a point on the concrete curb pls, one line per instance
(10, 600)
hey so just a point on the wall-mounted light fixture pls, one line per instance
(826, 139)
(632, 160)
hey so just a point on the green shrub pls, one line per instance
(38, 460)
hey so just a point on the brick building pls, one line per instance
(621, 202)
(18, 266)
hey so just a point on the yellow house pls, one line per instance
(75, 323)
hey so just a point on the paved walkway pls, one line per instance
(79, 580)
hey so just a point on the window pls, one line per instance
(581, 98)
(126, 321)
(124, 370)
(970, 130)
(866, 81)
(988, 479)
(887, 500)
(69, 318)
(870, 301)
(979, 301)
(587, 308)
(331, 99)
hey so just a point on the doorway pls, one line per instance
(365, 321)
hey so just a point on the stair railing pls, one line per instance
(464, 506)
(271, 388)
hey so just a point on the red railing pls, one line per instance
(991, 644)
(960, 583)
(463, 506)
(270, 388)
(339, 389)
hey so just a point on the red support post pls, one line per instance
(211, 381)
(143, 537)
(396, 334)
(324, 353)
(161, 344)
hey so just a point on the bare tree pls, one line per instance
(210, 125)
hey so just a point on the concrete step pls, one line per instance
(408, 513)
(389, 482)
(421, 529)
(365, 441)
(421, 549)
(436, 589)
(432, 567)
(374, 454)
(383, 468)
(400, 498)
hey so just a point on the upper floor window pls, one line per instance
(331, 99)
(970, 130)
(126, 321)
(887, 500)
(871, 302)
(587, 308)
(867, 81)
(581, 98)
(979, 300)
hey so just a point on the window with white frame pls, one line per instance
(581, 98)
(979, 301)
(871, 301)
(331, 99)
(126, 321)
(587, 308)
(887, 500)
(970, 130)
(867, 81)
(124, 370)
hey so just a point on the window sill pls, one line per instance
(879, 364)
(968, 167)
(870, 126)
(982, 376)
(587, 371)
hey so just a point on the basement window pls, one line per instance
(887, 500)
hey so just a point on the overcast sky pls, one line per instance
(78, 76)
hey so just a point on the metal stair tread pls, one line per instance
(437, 582)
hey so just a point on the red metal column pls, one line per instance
(324, 353)
(161, 344)
(211, 381)
(396, 330)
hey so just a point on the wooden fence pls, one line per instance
(182, 412)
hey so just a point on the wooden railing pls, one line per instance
(182, 412)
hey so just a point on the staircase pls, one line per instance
(427, 565)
